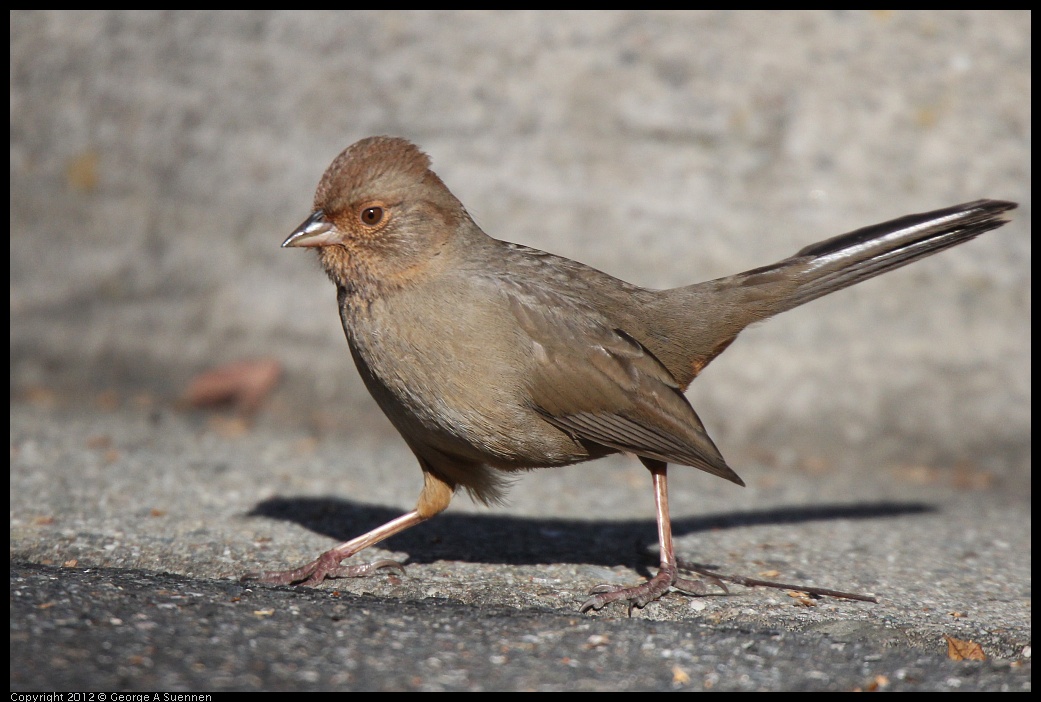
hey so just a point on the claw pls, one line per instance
(325, 566)
(638, 596)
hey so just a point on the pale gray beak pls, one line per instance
(315, 231)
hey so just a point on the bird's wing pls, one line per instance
(598, 383)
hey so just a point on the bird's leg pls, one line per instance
(667, 576)
(434, 498)
(328, 564)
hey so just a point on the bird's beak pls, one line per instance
(315, 231)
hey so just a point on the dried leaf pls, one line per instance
(243, 384)
(802, 599)
(958, 650)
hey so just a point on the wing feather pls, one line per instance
(599, 383)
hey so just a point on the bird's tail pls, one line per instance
(847, 259)
(697, 322)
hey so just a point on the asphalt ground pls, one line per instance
(130, 529)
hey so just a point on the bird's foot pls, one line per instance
(325, 566)
(640, 595)
(635, 596)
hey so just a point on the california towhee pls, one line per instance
(490, 357)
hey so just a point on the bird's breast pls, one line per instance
(448, 369)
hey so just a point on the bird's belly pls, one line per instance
(441, 389)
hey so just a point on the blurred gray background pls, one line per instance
(159, 159)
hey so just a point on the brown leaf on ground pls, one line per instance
(802, 599)
(242, 384)
(958, 650)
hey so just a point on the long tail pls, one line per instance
(697, 322)
(847, 259)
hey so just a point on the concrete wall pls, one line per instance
(159, 159)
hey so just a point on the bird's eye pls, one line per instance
(371, 216)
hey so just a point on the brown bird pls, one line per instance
(491, 357)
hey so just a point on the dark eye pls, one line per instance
(371, 216)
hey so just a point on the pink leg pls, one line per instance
(328, 564)
(434, 498)
(667, 577)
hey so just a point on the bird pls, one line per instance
(490, 357)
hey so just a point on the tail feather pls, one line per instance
(701, 320)
(847, 259)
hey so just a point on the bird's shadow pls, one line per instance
(537, 540)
